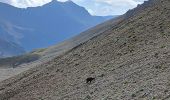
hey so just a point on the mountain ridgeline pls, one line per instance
(39, 27)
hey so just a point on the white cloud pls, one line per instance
(25, 3)
(108, 7)
(95, 7)
(119, 2)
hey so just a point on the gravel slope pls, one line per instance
(129, 62)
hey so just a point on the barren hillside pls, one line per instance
(129, 61)
(14, 65)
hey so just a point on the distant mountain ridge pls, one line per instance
(39, 27)
(8, 49)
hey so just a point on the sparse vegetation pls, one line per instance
(18, 60)
(133, 95)
(163, 46)
(87, 97)
(39, 50)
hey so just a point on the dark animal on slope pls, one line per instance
(89, 80)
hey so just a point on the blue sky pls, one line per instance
(95, 7)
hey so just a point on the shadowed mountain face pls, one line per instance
(127, 61)
(8, 49)
(39, 27)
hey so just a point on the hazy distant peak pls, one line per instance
(28, 3)
(69, 1)
(33, 3)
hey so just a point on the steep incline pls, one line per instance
(129, 62)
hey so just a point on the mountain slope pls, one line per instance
(22, 63)
(8, 49)
(43, 26)
(129, 61)
(46, 54)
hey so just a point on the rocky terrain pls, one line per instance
(128, 61)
